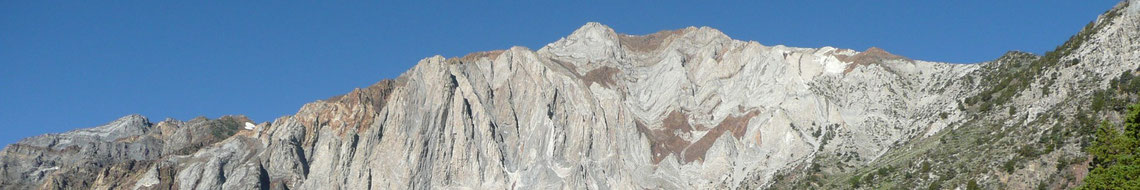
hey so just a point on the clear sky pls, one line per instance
(76, 64)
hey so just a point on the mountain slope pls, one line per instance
(1030, 122)
(679, 109)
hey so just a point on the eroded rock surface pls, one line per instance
(679, 109)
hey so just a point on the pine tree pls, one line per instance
(1116, 164)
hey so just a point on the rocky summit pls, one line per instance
(678, 109)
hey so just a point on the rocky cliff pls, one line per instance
(679, 109)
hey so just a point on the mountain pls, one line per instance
(678, 109)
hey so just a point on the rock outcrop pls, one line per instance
(679, 109)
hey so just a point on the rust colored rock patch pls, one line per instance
(872, 55)
(669, 141)
(735, 125)
(647, 43)
(604, 76)
(352, 111)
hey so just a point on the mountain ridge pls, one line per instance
(686, 108)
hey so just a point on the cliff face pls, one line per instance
(681, 109)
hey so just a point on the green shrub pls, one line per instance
(1099, 100)
(925, 168)
(885, 171)
(855, 182)
(224, 127)
(1010, 165)
(937, 184)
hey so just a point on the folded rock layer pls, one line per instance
(678, 109)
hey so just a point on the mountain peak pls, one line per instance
(879, 53)
(597, 41)
(647, 111)
(874, 49)
(132, 120)
(710, 32)
(592, 40)
(592, 30)
(589, 26)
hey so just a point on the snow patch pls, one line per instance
(249, 126)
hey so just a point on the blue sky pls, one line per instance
(76, 64)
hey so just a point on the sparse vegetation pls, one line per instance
(993, 140)
(1016, 70)
(224, 127)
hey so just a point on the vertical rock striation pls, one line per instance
(678, 109)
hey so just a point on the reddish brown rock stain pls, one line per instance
(649, 42)
(668, 140)
(356, 109)
(604, 76)
(872, 55)
(736, 125)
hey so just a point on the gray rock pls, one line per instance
(681, 109)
